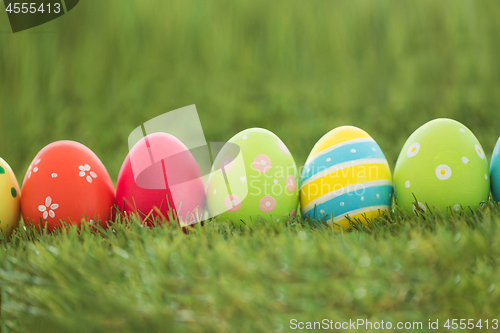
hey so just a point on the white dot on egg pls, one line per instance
(407, 184)
(328, 159)
(35, 169)
(276, 181)
(378, 195)
(413, 150)
(342, 204)
(322, 211)
(374, 149)
(353, 151)
(480, 152)
(457, 207)
(443, 172)
(362, 198)
(465, 160)
(462, 130)
(243, 179)
(215, 191)
(486, 176)
(54, 175)
(245, 137)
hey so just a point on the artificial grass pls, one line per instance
(296, 68)
(220, 277)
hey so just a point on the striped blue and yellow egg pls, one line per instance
(345, 175)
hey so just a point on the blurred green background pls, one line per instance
(297, 68)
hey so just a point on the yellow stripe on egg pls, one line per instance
(340, 178)
(370, 213)
(336, 136)
(348, 189)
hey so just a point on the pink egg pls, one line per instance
(161, 178)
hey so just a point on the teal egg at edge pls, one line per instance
(495, 172)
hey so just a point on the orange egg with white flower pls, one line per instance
(67, 183)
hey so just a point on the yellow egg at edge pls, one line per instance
(10, 199)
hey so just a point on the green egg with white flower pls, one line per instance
(256, 180)
(441, 167)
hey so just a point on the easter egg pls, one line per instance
(257, 180)
(10, 199)
(160, 178)
(345, 175)
(67, 182)
(495, 172)
(442, 165)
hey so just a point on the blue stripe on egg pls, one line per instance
(348, 202)
(344, 153)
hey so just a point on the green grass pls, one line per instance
(296, 68)
(251, 278)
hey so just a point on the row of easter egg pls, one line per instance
(160, 179)
(442, 167)
(346, 176)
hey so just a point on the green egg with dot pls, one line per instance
(444, 167)
(256, 180)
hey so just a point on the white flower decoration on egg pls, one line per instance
(83, 172)
(480, 152)
(413, 149)
(443, 172)
(48, 208)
